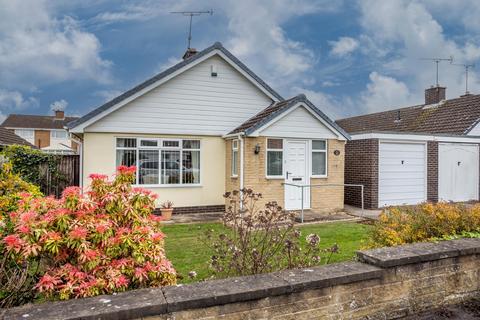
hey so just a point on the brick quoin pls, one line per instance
(432, 171)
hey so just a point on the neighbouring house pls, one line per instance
(209, 125)
(428, 152)
(8, 138)
(47, 133)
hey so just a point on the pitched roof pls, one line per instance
(35, 121)
(143, 85)
(7, 137)
(276, 109)
(452, 117)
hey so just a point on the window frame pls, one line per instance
(234, 164)
(267, 149)
(32, 131)
(159, 148)
(324, 151)
(57, 138)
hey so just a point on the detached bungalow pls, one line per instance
(209, 125)
(427, 152)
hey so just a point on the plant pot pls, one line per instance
(166, 213)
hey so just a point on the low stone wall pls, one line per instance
(385, 283)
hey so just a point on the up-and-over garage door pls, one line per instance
(402, 173)
(457, 172)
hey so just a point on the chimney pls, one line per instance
(435, 94)
(189, 53)
(59, 114)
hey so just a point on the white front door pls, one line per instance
(457, 172)
(402, 173)
(296, 172)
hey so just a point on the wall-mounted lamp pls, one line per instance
(257, 149)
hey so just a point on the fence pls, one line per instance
(304, 186)
(66, 173)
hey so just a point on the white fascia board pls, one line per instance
(415, 137)
(81, 127)
(257, 132)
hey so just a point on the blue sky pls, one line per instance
(348, 57)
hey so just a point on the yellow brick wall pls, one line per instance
(323, 199)
(330, 198)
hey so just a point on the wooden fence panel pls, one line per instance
(67, 174)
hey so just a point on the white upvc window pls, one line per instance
(274, 158)
(25, 133)
(59, 134)
(319, 158)
(234, 164)
(161, 161)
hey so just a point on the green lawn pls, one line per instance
(187, 252)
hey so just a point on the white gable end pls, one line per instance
(193, 102)
(299, 123)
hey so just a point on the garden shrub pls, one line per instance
(428, 221)
(32, 165)
(16, 281)
(260, 240)
(104, 241)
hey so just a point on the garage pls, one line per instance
(402, 177)
(457, 172)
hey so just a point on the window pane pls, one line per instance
(59, 134)
(170, 167)
(318, 145)
(126, 158)
(191, 167)
(234, 162)
(126, 143)
(234, 144)
(275, 144)
(274, 163)
(318, 163)
(171, 143)
(148, 167)
(148, 143)
(191, 144)
(24, 133)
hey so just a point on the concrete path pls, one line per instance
(367, 213)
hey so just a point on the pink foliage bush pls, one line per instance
(100, 242)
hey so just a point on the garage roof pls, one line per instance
(451, 117)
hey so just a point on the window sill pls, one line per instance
(233, 177)
(167, 185)
(275, 177)
(318, 177)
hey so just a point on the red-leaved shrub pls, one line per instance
(100, 242)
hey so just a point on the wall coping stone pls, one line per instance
(156, 301)
(419, 252)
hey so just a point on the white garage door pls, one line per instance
(457, 172)
(401, 173)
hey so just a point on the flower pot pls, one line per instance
(166, 213)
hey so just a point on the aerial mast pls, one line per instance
(192, 14)
(437, 62)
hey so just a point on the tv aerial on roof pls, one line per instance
(192, 14)
(437, 62)
(467, 67)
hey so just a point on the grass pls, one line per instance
(184, 246)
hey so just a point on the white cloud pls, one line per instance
(60, 105)
(36, 47)
(343, 46)
(14, 100)
(406, 31)
(385, 92)
(108, 95)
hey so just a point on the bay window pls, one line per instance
(319, 158)
(274, 157)
(161, 161)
